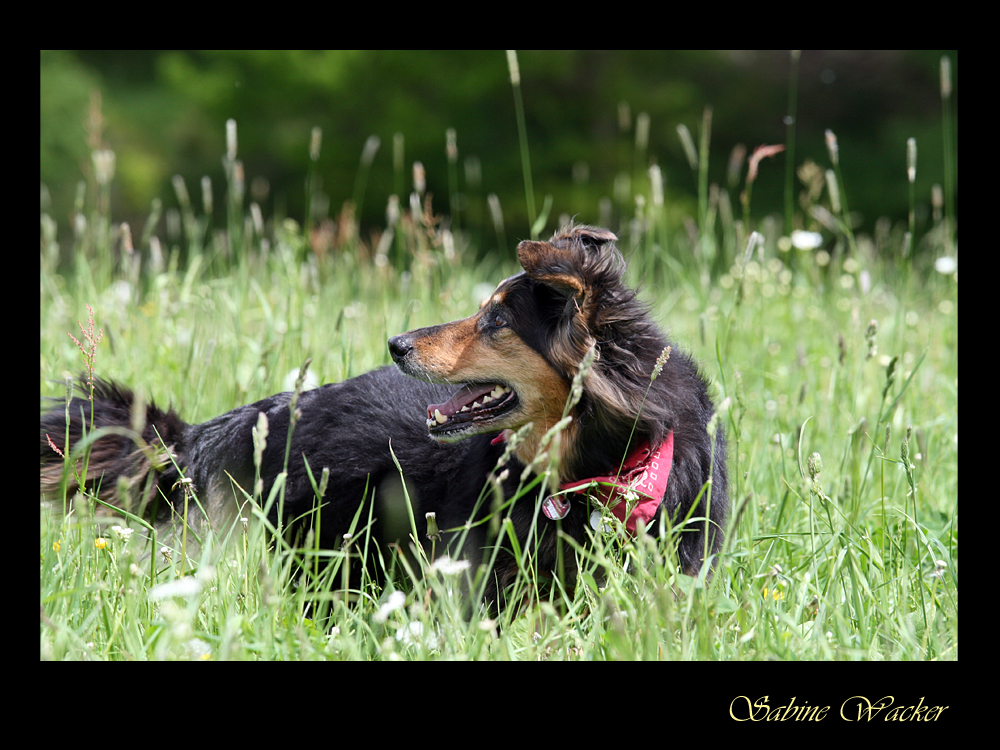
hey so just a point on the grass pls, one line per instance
(836, 377)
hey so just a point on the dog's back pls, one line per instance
(353, 429)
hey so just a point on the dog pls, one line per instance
(561, 373)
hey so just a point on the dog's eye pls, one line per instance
(499, 322)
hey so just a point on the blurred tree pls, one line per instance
(165, 110)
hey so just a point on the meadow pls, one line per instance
(833, 357)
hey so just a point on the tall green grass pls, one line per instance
(835, 374)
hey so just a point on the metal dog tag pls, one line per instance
(555, 507)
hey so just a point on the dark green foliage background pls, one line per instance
(164, 113)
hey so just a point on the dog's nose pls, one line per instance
(399, 347)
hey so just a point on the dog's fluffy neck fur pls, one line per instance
(577, 285)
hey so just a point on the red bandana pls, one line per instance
(644, 474)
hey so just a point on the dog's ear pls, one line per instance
(553, 266)
(561, 269)
(593, 238)
(562, 262)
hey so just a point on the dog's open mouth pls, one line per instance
(472, 404)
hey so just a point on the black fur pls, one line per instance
(570, 296)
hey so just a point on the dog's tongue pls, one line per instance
(465, 396)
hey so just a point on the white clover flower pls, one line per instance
(186, 587)
(123, 534)
(802, 240)
(292, 376)
(412, 635)
(946, 265)
(198, 649)
(395, 601)
(448, 567)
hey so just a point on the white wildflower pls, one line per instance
(802, 240)
(946, 265)
(122, 534)
(395, 601)
(186, 587)
(448, 567)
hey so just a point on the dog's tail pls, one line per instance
(114, 446)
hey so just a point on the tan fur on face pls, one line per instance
(459, 353)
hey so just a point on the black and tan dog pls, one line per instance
(634, 442)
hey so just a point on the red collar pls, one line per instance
(644, 474)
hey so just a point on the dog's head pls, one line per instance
(516, 357)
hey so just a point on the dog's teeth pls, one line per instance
(498, 391)
(441, 418)
(464, 408)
